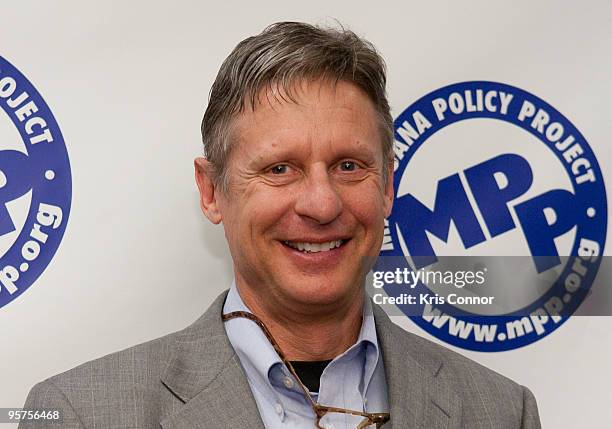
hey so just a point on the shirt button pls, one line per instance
(279, 409)
(288, 382)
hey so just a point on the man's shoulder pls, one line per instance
(133, 378)
(137, 363)
(455, 367)
(107, 384)
(142, 363)
(486, 397)
(438, 360)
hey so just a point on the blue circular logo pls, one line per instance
(35, 184)
(487, 168)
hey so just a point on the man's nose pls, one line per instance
(319, 199)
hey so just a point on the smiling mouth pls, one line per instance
(307, 247)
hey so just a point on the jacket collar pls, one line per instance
(417, 396)
(206, 375)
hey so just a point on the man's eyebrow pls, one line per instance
(266, 157)
(358, 148)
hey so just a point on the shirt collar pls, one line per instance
(365, 347)
(256, 354)
(259, 357)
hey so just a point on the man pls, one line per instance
(298, 168)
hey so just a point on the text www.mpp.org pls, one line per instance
(483, 332)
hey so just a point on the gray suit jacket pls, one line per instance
(193, 379)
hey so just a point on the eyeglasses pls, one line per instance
(323, 413)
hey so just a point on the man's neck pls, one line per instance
(321, 334)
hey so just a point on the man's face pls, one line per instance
(306, 200)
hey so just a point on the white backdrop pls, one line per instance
(128, 83)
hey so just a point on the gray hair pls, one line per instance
(281, 55)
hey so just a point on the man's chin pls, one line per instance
(320, 294)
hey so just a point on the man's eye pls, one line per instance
(348, 166)
(279, 169)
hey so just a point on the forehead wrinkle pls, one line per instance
(274, 96)
(348, 106)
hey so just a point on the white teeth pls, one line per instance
(314, 247)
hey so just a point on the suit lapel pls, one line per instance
(205, 374)
(417, 397)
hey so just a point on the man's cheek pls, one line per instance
(367, 209)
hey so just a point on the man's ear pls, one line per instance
(208, 190)
(388, 197)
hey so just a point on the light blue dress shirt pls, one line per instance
(354, 380)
